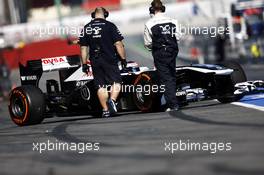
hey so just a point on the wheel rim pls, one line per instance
(18, 108)
(143, 99)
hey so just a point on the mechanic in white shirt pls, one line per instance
(161, 36)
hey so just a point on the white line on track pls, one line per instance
(251, 106)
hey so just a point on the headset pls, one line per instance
(153, 8)
(106, 13)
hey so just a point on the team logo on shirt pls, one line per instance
(166, 30)
(97, 30)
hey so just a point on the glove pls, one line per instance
(124, 63)
(86, 68)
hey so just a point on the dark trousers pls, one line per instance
(165, 62)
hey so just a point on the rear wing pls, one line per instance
(31, 73)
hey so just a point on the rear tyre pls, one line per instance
(27, 105)
(237, 76)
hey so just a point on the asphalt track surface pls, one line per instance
(134, 143)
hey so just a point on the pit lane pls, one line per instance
(133, 143)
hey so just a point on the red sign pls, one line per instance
(92, 4)
(250, 12)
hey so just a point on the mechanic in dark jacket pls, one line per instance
(102, 46)
(161, 36)
(5, 82)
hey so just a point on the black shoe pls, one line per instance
(106, 114)
(112, 106)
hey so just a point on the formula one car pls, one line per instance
(73, 93)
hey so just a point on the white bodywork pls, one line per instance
(204, 70)
(78, 75)
(58, 63)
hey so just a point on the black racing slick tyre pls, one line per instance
(237, 76)
(144, 98)
(27, 105)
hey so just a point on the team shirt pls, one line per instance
(161, 31)
(100, 36)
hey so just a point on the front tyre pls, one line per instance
(27, 105)
(237, 76)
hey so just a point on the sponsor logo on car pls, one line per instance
(181, 93)
(85, 93)
(53, 61)
(81, 83)
(29, 78)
